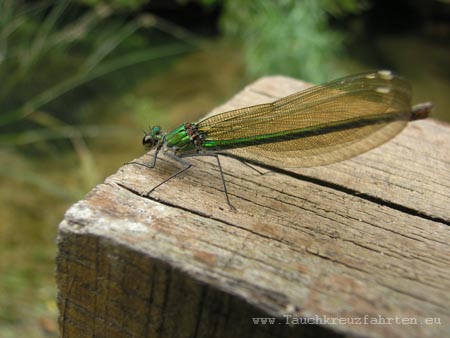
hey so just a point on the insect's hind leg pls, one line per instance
(222, 176)
(223, 181)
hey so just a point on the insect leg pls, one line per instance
(186, 167)
(223, 181)
(221, 174)
(252, 167)
(153, 162)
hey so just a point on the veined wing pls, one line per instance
(320, 125)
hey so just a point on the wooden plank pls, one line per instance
(410, 171)
(342, 242)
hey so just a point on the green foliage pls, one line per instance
(46, 56)
(54, 58)
(118, 5)
(47, 51)
(291, 37)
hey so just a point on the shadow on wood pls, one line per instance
(361, 240)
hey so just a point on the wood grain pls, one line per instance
(366, 238)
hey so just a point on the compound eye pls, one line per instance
(149, 141)
(152, 138)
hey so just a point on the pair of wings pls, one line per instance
(370, 108)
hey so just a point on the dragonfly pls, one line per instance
(321, 125)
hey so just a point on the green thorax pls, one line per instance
(181, 138)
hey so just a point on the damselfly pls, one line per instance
(320, 125)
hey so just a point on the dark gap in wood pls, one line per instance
(346, 190)
(370, 198)
(133, 191)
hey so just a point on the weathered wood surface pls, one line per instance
(365, 238)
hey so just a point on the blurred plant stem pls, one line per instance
(85, 76)
(53, 56)
(85, 45)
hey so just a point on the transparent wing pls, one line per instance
(321, 125)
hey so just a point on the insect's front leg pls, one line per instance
(152, 163)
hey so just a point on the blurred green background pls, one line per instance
(80, 80)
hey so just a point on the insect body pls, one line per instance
(320, 125)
